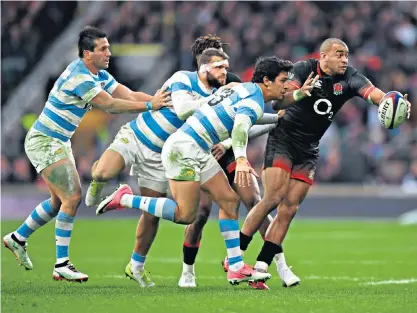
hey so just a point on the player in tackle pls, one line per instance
(83, 84)
(139, 144)
(249, 195)
(292, 148)
(190, 166)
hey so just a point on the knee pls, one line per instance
(230, 202)
(73, 200)
(289, 208)
(184, 217)
(273, 200)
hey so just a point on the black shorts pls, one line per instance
(299, 159)
(228, 164)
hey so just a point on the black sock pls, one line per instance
(22, 243)
(268, 252)
(190, 253)
(244, 241)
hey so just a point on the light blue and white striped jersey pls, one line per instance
(153, 128)
(70, 99)
(214, 121)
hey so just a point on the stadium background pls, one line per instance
(151, 40)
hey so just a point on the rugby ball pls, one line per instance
(392, 110)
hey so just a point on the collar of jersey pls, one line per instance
(92, 74)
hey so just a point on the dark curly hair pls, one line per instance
(204, 42)
(270, 67)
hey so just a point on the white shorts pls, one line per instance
(185, 160)
(44, 151)
(144, 163)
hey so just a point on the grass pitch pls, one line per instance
(344, 267)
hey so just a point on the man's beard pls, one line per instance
(213, 82)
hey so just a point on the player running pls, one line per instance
(83, 84)
(292, 148)
(190, 165)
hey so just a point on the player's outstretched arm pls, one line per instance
(113, 105)
(296, 93)
(370, 93)
(259, 130)
(123, 92)
(268, 118)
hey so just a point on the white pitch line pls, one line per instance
(391, 282)
(335, 278)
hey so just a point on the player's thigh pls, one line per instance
(220, 191)
(249, 195)
(63, 181)
(121, 153)
(187, 196)
(296, 194)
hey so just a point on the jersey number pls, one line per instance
(219, 97)
(328, 111)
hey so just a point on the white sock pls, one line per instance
(187, 268)
(261, 266)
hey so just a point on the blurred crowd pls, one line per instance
(27, 30)
(382, 38)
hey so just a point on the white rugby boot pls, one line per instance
(18, 250)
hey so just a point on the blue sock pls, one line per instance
(230, 233)
(63, 230)
(160, 207)
(41, 215)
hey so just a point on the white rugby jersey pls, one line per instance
(153, 128)
(70, 98)
(214, 121)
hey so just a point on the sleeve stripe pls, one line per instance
(365, 92)
(180, 86)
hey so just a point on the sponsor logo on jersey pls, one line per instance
(337, 89)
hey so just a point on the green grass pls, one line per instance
(334, 259)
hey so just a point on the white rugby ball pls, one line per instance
(392, 110)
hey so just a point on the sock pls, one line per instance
(41, 215)
(244, 241)
(230, 233)
(189, 253)
(280, 260)
(269, 249)
(63, 229)
(138, 262)
(160, 207)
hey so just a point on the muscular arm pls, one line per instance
(107, 103)
(123, 92)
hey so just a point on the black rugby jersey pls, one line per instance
(308, 119)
